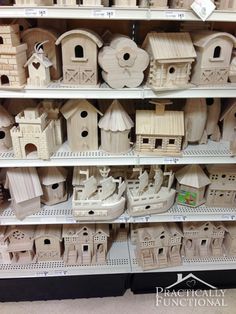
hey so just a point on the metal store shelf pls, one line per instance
(62, 214)
(59, 91)
(212, 152)
(110, 13)
(117, 262)
(196, 264)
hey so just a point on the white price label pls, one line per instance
(104, 13)
(228, 217)
(175, 15)
(179, 218)
(60, 272)
(140, 219)
(123, 219)
(36, 12)
(203, 8)
(171, 160)
(41, 274)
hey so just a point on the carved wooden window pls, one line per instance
(217, 52)
(79, 51)
(47, 241)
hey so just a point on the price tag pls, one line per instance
(36, 12)
(228, 217)
(179, 218)
(60, 272)
(171, 160)
(41, 274)
(123, 219)
(104, 13)
(175, 15)
(203, 8)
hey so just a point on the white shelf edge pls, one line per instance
(56, 12)
(221, 91)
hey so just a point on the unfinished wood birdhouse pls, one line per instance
(67, 3)
(82, 130)
(124, 3)
(158, 4)
(229, 124)
(230, 238)
(222, 190)
(171, 56)
(213, 115)
(85, 244)
(48, 243)
(53, 181)
(159, 131)
(91, 3)
(122, 62)
(12, 57)
(79, 57)
(4, 254)
(195, 117)
(6, 123)
(38, 68)
(33, 3)
(34, 137)
(25, 190)
(232, 68)
(225, 5)
(182, 4)
(34, 36)
(115, 128)
(158, 246)
(20, 240)
(191, 186)
(214, 50)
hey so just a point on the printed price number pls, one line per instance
(60, 272)
(228, 217)
(41, 274)
(179, 218)
(171, 161)
(140, 219)
(36, 12)
(103, 13)
(175, 15)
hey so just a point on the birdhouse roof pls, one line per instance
(192, 175)
(51, 231)
(202, 39)
(170, 46)
(84, 32)
(28, 230)
(230, 108)
(42, 59)
(115, 118)
(5, 118)
(72, 105)
(73, 230)
(104, 228)
(24, 182)
(171, 123)
(52, 175)
(50, 34)
(219, 169)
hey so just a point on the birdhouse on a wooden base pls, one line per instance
(53, 181)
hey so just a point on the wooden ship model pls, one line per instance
(98, 198)
(145, 196)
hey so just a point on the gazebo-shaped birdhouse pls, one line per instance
(6, 123)
(38, 67)
(191, 186)
(53, 181)
(115, 128)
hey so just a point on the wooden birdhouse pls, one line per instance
(6, 123)
(82, 120)
(124, 3)
(20, 240)
(79, 57)
(158, 246)
(33, 3)
(171, 56)
(91, 3)
(53, 181)
(35, 135)
(25, 200)
(159, 131)
(122, 62)
(67, 3)
(4, 254)
(34, 36)
(158, 4)
(182, 4)
(229, 124)
(232, 68)
(230, 239)
(85, 244)
(38, 68)
(48, 243)
(214, 50)
(226, 5)
(115, 128)
(12, 57)
(191, 186)
(222, 190)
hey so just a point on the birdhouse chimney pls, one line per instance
(160, 106)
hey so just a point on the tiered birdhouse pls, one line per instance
(6, 123)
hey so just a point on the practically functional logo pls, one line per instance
(183, 293)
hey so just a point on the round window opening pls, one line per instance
(84, 133)
(172, 70)
(84, 114)
(126, 56)
(2, 135)
(55, 186)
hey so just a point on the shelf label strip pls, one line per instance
(36, 12)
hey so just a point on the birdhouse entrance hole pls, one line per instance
(126, 56)
(2, 135)
(4, 80)
(1, 40)
(31, 150)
